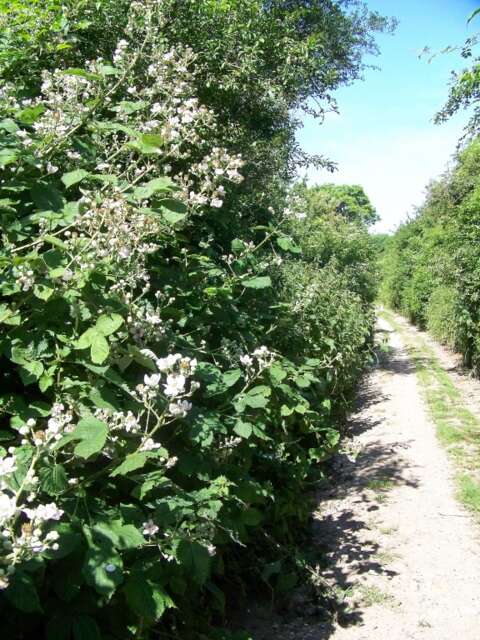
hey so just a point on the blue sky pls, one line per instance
(384, 137)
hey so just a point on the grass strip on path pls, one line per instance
(457, 428)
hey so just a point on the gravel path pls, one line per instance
(403, 555)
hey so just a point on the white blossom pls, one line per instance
(175, 384)
(180, 408)
(150, 445)
(153, 380)
(8, 507)
(150, 528)
(44, 512)
(7, 465)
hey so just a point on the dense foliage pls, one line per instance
(178, 332)
(464, 90)
(431, 270)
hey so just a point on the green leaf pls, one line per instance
(30, 114)
(132, 462)
(7, 156)
(56, 242)
(9, 316)
(147, 144)
(30, 372)
(22, 594)
(277, 373)
(43, 291)
(243, 429)
(129, 537)
(99, 349)
(93, 338)
(257, 397)
(287, 244)
(145, 598)
(53, 259)
(237, 246)
(195, 560)
(285, 411)
(53, 479)
(171, 217)
(92, 434)
(261, 282)
(115, 532)
(86, 339)
(46, 197)
(107, 69)
(171, 204)
(73, 177)
(147, 190)
(82, 74)
(229, 378)
(103, 569)
(129, 107)
(9, 125)
(108, 323)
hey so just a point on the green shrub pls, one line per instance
(159, 428)
(430, 266)
(441, 315)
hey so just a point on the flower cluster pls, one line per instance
(203, 186)
(59, 424)
(24, 528)
(64, 98)
(259, 360)
(171, 380)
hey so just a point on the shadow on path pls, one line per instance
(344, 546)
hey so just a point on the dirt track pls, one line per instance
(403, 554)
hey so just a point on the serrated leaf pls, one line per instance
(129, 107)
(53, 479)
(287, 244)
(103, 569)
(29, 115)
(229, 378)
(171, 204)
(132, 462)
(145, 598)
(88, 75)
(46, 197)
(86, 339)
(195, 560)
(285, 411)
(7, 156)
(258, 397)
(99, 349)
(92, 434)
(147, 190)
(171, 217)
(108, 323)
(9, 316)
(74, 177)
(243, 429)
(277, 373)
(261, 282)
(43, 291)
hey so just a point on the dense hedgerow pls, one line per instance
(177, 334)
(430, 265)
